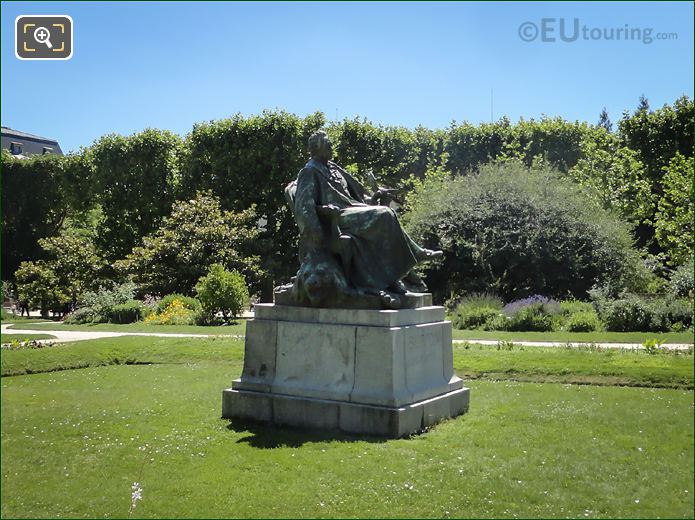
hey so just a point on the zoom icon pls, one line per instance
(43, 37)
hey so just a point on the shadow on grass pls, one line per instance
(269, 436)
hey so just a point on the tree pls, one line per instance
(37, 285)
(657, 136)
(135, 180)
(198, 233)
(517, 232)
(604, 121)
(33, 207)
(643, 105)
(70, 268)
(615, 177)
(248, 162)
(222, 291)
(674, 216)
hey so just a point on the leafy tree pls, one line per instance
(518, 232)
(615, 177)
(222, 291)
(657, 136)
(198, 233)
(70, 268)
(135, 179)
(37, 284)
(33, 207)
(248, 162)
(674, 216)
(604, 121)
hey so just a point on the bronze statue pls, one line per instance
(353, 252)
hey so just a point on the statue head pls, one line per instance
(320, 146)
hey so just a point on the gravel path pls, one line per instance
(64, 336)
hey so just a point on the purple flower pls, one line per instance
(550, 305)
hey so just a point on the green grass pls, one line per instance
(576, 337)
(8, 338)
(125, 350)
(238, 328)
(73, 442)
(573, 365)
(605, 367)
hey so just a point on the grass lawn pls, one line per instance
(74, 441)
(576, 337)
(605, 367)
(238, 328)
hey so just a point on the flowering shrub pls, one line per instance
(175, 313)
(547, 305)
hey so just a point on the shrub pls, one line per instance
(569, 307)
(517, 231)
(681, 282)
(198, 233)
(631, 312)
(176, 313)
(102, 302)
(128, 312)
(546, 305)
(222, 291)
(80, 316)
(671, 314)
(473, 318)
(583, 321)
(534, 317)
(188, 302)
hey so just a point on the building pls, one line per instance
(21, 144)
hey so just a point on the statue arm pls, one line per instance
(305, 200)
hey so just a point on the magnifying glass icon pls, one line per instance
(43, 35)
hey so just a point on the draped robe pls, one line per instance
(381, 252)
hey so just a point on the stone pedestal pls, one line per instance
(376, 372)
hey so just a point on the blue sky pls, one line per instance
(171, 64)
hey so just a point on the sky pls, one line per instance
(170, 65)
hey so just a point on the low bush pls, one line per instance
(99, 304)
(671, 315)
(473, 318)
(540, 303)
(583, 321)
(222, 291)
(631, 312)
(533, 317)
(176, 313)
(569, 307)
(190, 303)
(128, 312)
(474, 310)
(80, 316)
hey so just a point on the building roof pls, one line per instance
(6, 131)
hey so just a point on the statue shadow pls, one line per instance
(269, 436)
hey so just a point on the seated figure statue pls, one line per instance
(353, 252)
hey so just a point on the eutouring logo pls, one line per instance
(550, 30)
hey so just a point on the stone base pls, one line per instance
(347, 417)
(378, 372)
